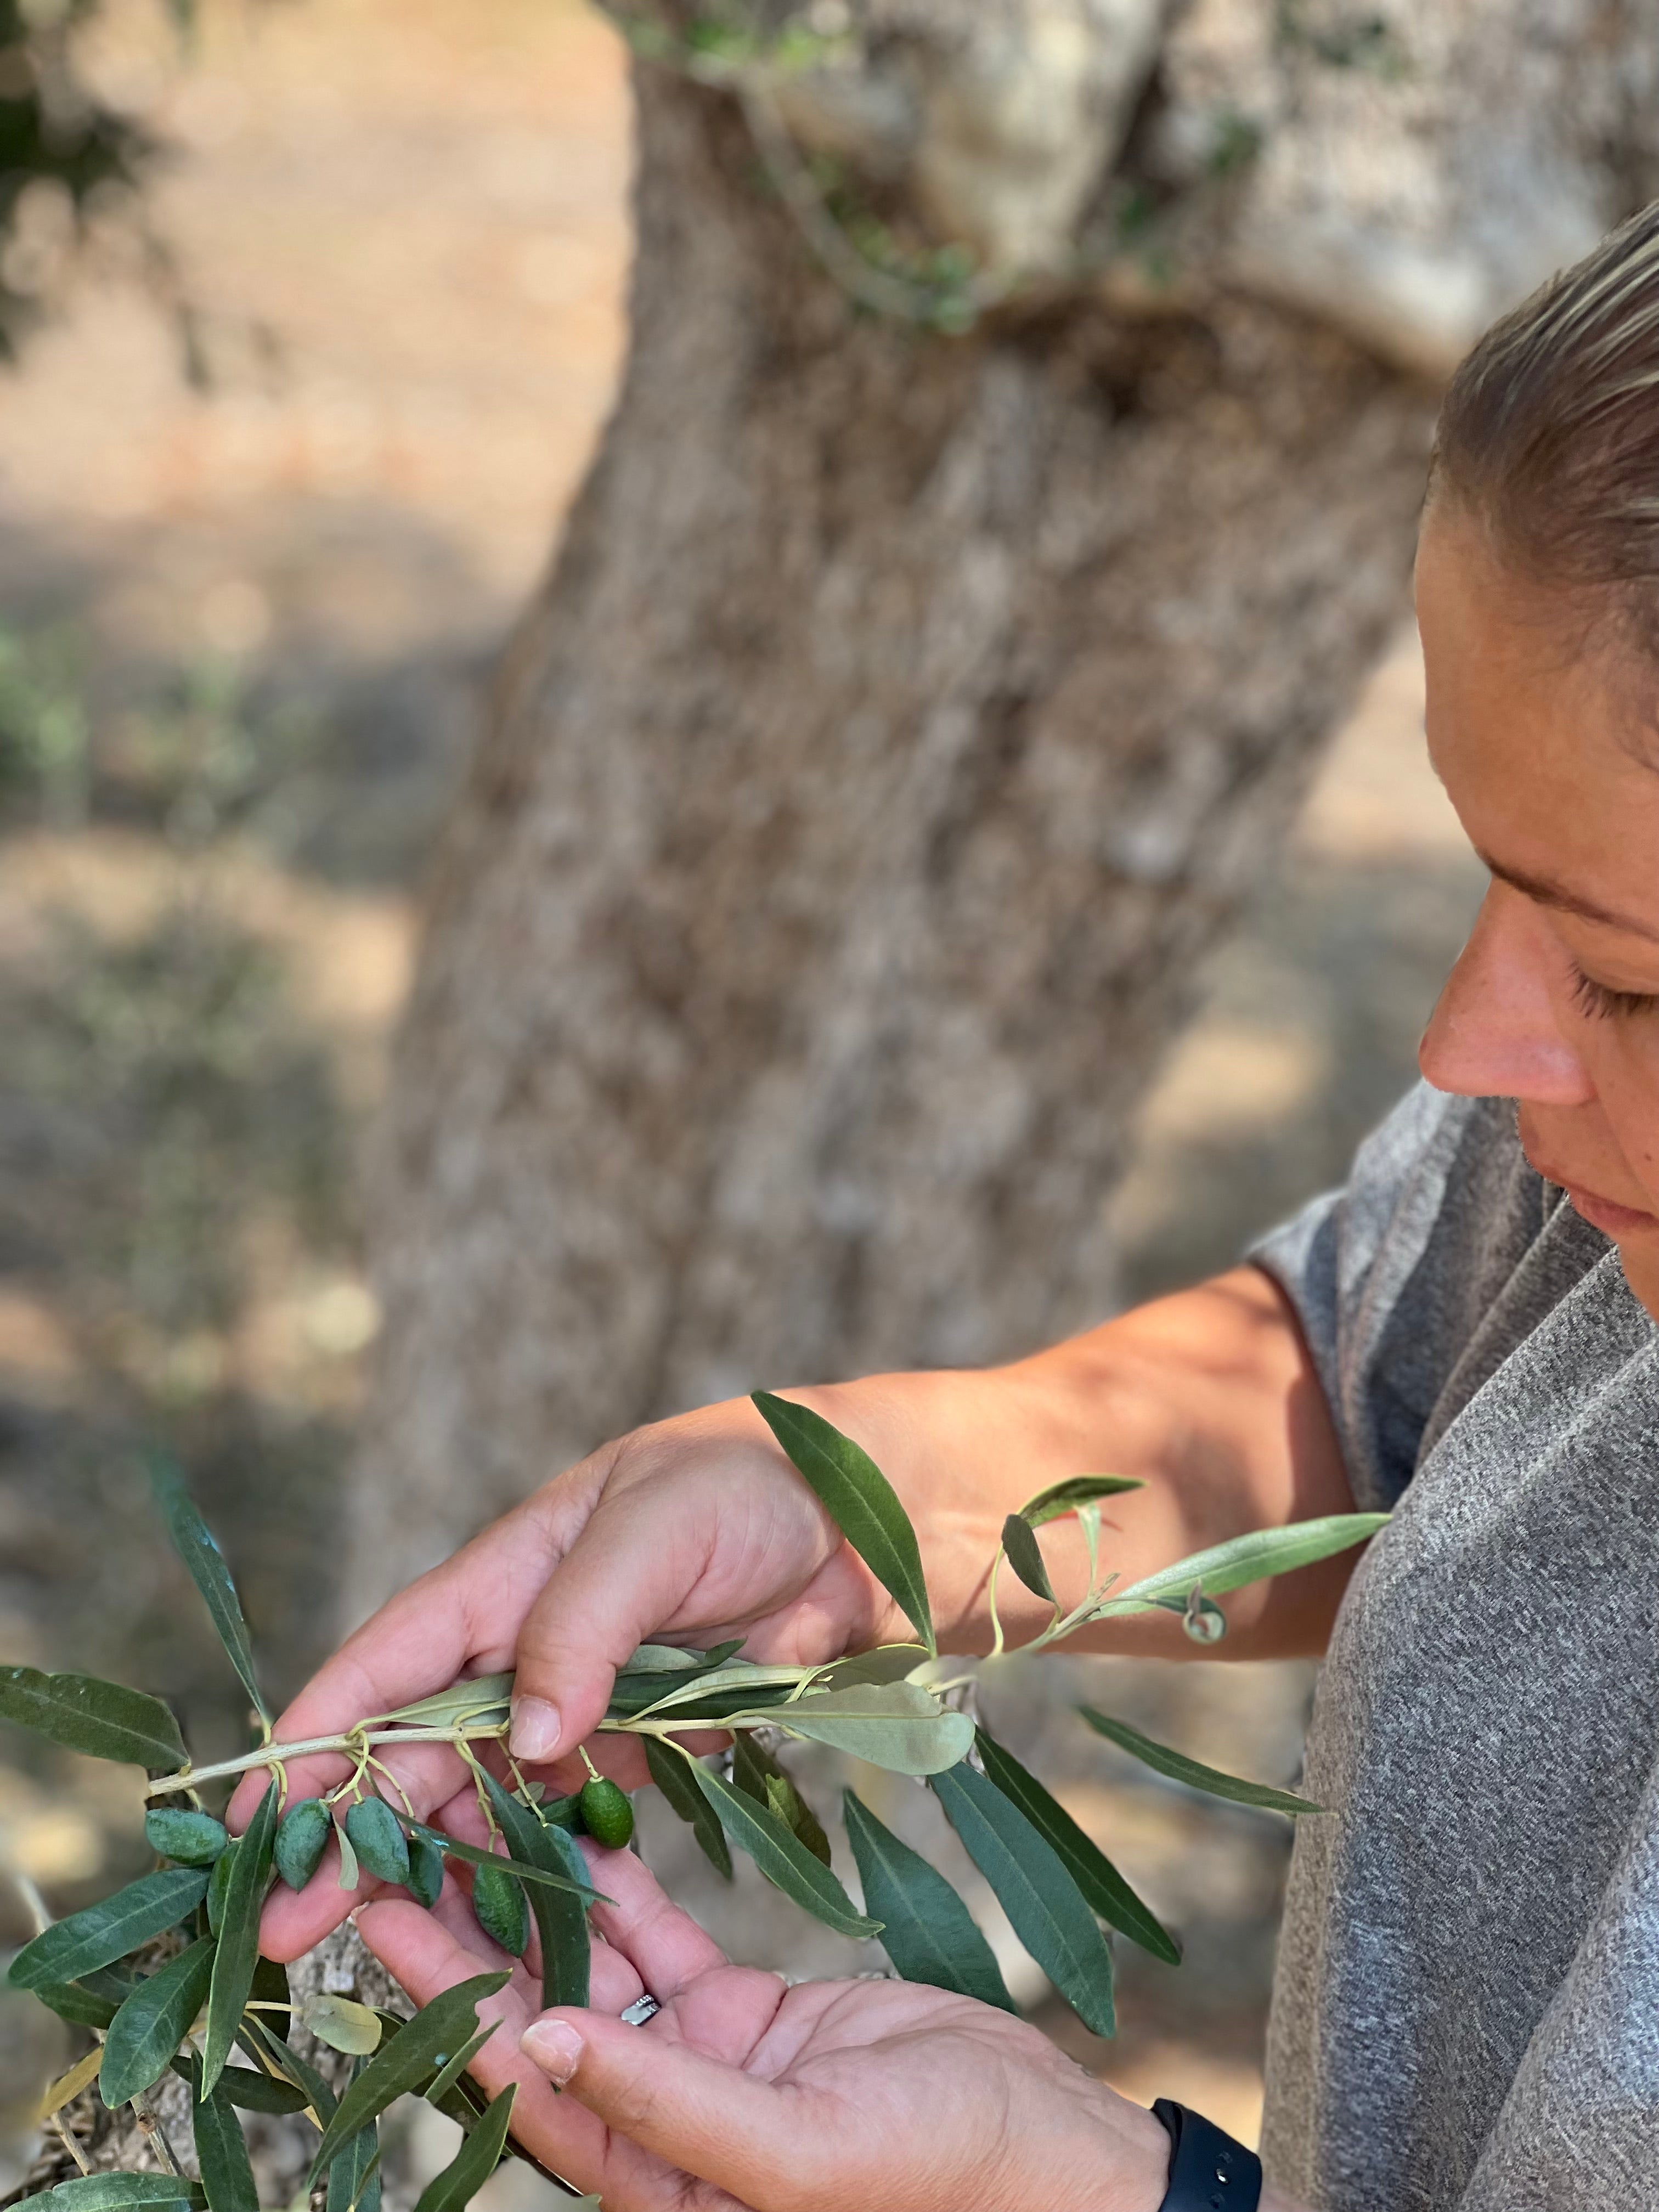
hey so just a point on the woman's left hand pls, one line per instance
(742, 2093)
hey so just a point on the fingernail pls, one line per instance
(535, 1731)
(555, 2047)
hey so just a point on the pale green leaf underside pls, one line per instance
(894, 1725)
(1249, 1559)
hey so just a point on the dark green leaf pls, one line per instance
(449, 2073)
(1108, 1893)
(194, 1542)
(404, 2061)
(667, 1768)
(1180, 1768)
(239, 1939)
(152, 2024)
(108, 1931)
(219, 1885)
(115, 2192)
(100, 1718)
(1076, 1490)
(1025, 1557)
(377, 1840)
(926, 1931)
(257, 2040)
(302, 1840)
(452, 1847)
(178, 1833)
(781, 1857)
(758, 1774)
(75, 2002)
(859, 1500)
(271, 1987)
(252, 2091)
(354, 2174)
(473, 2164)
(1048, 1912)
(561, 1919)
(1250, 1559)
(222, 2153)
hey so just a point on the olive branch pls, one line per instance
(208, 2007)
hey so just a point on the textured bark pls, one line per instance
(902, 721)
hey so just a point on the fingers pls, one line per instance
(665, 1946)
(745, 2136)
(615, 1587)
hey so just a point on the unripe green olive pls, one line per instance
(301, 1840)
(499, 1905)
(190, 1838)
(377, 1839)
(606, 1813)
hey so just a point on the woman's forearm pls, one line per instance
(1210, 1396)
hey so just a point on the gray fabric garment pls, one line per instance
(1467, 2011)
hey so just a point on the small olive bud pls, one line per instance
(499, 1905)
(377, 1839)
(606, 1813)
(190, 1839)
(301, 1840)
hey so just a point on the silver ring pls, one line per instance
(642, 2009)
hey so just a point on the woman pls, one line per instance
(1468, 2007)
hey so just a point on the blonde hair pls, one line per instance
(1549, 432)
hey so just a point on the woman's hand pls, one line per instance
(741, 2093)
(696, 1530)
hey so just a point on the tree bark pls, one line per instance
(902, 719)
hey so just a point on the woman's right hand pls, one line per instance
(695, 1529)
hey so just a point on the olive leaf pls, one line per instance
(926, 1931)
(221, 2155)
(1026, 1558)
(354, 2173)
(1249, 1559)
(341, 2023)
(451, 2072)
(68, 2087)
(473, 2164)
(896, 1725)
(81, 2006)
(153, 2022)
(888, 1662)
(479, 1694)
(1059, 1498)
(108, 1931)
(350, 1872)
(781, 1857)
(257, 2040)
(1179, 1768)
(251, 2091)
(102, 1719)
(1104, 1887)
(452, 1847)
(1048, 1912)
(238, 1952)
(116, 2192)
(758, 1774)
(204, 1562)
(561, 1919)
(667, 1771)
(859, 1500)
(670, 1658)
(404, 2061)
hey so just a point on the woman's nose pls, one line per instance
(1494, 1033)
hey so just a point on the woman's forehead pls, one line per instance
(1535, 713)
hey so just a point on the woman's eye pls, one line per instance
(1601, 1000)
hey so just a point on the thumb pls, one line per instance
(626, 1574)
(710, 2119)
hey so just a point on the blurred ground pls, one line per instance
(243, 632)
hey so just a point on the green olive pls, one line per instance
(190, 1839)
(302, 1840)
(606, 1813)
(499, 1906)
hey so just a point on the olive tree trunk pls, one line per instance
(906, 711)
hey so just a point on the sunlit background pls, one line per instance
(264, 527)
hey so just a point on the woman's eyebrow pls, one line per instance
(1555, 895)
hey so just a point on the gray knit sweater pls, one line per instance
(1467, 2013)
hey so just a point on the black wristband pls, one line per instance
(1209, 2172)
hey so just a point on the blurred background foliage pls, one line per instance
(257, 559)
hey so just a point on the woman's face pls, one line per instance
(1554, 1002)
